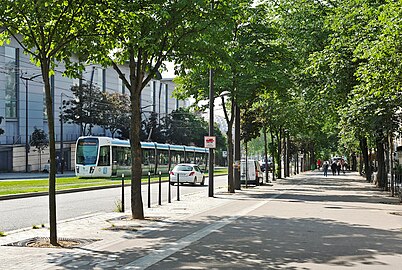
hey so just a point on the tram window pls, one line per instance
(148, 157)
(163, 157)
(104, 156)
(121, 156)
(181, 157)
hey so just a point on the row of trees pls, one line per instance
(323, 75)
(348, 70)
(343, 71)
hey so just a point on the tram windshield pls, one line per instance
(87, 151)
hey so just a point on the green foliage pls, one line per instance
(39, 139)
(113, 112)
(184, 127)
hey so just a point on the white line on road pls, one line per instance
(171, 248)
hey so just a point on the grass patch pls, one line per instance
(66, 183)
(2, 234)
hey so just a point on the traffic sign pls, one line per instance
(209, 141)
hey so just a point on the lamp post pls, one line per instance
(61, 130)
(26, 117)
(61, 133)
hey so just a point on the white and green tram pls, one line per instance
(106, 157)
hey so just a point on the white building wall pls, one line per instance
(156, 96)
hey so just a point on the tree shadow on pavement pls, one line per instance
(252, 242)
(258, 240)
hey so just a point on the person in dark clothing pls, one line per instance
(338, 167)
(333, 168)
(325, 168)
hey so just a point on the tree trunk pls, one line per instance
(381, 173)
(391, 162)
(45, 68)
(231, 186)
(273, 154)
(285, 155)
(354, 162)
(364, 149)
(266, 155)
(279, 154)
(136, 78)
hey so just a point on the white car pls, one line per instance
(187, 173)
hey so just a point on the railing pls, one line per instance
(397, 185)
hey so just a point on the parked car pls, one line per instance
(187, 173)
(251, 172)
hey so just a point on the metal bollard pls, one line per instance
(149, 189)
(160, 189)
(122, 192)
(169, 191)
(178, 189)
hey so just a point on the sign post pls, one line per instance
(210, 142)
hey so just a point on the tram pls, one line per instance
(106, 157)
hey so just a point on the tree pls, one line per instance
(151, 129)
(44, 29)
(86, 108)
(141, 36)
(40, 141)
(114, 112)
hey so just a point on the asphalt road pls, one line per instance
(26, 212)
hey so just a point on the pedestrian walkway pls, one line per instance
(302, 222)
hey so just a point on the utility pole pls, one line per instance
(211, 133)
(237, 155)
(27, 79)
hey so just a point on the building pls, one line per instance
(22, 106)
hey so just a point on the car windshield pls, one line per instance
(183, 168)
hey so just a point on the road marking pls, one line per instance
(171, 248)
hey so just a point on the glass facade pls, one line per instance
(10, 63)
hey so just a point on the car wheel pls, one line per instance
(203, 181)
(195, 181)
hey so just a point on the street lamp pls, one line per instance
(61, 130)
(26, 117)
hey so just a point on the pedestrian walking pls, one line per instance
(338, 167)
(58, 164)
(325, 168)
(333, 167)
(343, 165)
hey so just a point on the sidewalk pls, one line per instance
(256, 228)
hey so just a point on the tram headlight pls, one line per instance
(77, 168)
(92, 169)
